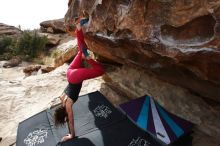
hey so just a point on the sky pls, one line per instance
(30, 13)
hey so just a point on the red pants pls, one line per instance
(77, 74)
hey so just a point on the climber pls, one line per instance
(76, 74)
(77, 24)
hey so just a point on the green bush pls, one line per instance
(29, 45)
(6, 45)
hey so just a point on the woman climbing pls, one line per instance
(76, 74)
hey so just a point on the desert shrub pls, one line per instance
(6, 45)
(29, 45)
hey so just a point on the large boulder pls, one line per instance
(7, 30)
(34, 69)
(176, 42)
(53, 26)
(52, 39)
(47, 69)
(29, 70)
(64, 52)
(15, 61)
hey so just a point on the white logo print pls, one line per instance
(102, 111)
(36, 137)
(139, 142)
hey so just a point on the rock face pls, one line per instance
(53, 26)
(12, 63)
(9, 30)
(64, 52)
(47, 69)
(176, 42)
(52, 39)
(30, 69)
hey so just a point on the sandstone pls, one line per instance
(64, 52)
(47, 69)
(113, 94)
(7, 30)
(12, 62)
(30, 69)
(52, 39)
(53, 26)
(50, 30)
(178, 42)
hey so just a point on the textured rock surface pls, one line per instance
(52, 39)
(30, 69)
(177, 40)
(196, 70)
(64, 53)
(175, 43)
(12, 62)
(9, 30)
(47, 69)
(53, 26)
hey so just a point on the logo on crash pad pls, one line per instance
(36, 137)
(102, 111)
(139, 142)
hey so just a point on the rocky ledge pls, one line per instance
(7, 30)
(53, 26)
